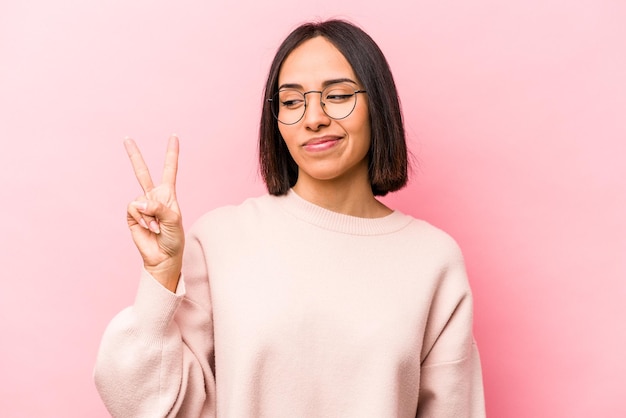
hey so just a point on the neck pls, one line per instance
(347, 197)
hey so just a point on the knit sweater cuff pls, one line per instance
(155, 305)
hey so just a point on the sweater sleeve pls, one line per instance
(451, 377)
(156, 357)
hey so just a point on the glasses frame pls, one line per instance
(275, 103)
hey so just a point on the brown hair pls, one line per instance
(388, 160)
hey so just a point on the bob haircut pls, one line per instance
(387, 156)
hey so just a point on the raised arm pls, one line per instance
(155, 358)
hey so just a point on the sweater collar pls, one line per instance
(339, 222)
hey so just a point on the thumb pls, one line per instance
(155, 209)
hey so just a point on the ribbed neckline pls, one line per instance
(339, 222)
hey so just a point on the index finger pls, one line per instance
(139, 166)
(171, 162)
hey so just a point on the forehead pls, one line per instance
(314, 62)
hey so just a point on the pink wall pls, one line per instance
(515, 112)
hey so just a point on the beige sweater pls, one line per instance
(287, 309)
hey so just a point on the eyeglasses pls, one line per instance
(337, 100)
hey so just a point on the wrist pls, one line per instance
(168, 275)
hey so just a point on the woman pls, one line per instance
(315, 300)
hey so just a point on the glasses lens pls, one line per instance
(288, 106)
(339, 100)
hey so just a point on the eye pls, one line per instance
(338, 98)
(291, 104)
(338, 93)
(290, 99)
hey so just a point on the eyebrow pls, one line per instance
(324, 84)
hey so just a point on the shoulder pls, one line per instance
(434, 258)
(425, 237)
(230, 218)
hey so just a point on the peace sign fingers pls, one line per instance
(154, 218)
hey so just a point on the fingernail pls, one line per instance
(143, 223)
(154, 227)
(141, 206)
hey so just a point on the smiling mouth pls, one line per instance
(321, 144)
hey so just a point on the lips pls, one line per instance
(321, 143)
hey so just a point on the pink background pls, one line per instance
(515, 112)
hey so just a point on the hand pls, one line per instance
(154, 219)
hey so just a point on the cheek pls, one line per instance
(363, 125)
(362, 129)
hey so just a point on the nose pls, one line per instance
(314, 115)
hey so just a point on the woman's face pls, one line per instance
(325, 149)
